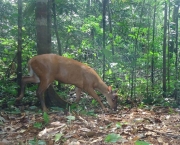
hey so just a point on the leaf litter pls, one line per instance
(126, 127)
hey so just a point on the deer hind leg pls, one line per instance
(78, 94)
(40, 93)
(95, 96)
(27, 80)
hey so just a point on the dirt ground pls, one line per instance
(157, 126)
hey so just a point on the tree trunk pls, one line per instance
(153, 47)
(168, 53)
(105, 2)
(49, 8)
(56, 29)
(110, 29)
(164, 51)
(148, 55)
(19, 51)
(43, 28)
(175, 19)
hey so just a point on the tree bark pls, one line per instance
(175, 19)
(49, 21)
(19, 51)
(56, 29)
(110, 29)
(41, 27)
(105, 2)
(164, 50)
(153, 47)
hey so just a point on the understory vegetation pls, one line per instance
(132, 44)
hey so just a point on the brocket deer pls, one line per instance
(46, 68)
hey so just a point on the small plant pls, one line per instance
(118, 125)
(141, 143)
(70, 118)
(46, 118)
(141, 105)
(73, 106)
(94, 102)
(13, 110)
(171, 111)
(58, 137)
(38, 125)
(112, 138)
(36, 142)
(91, 113)
(57, 108)
(109, 125)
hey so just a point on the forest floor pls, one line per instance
(157, 126)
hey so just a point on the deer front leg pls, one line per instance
(96, 97)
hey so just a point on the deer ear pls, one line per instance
(109, 89)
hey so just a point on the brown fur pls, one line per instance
(46, 68)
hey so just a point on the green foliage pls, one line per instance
(74, 106)
(8, 91)
(81, 110)
(36, 142)
(46, 118)
(58, 137)
(94, 102)
(89, 113)
(171, 111)
(141, 105)
(29, 9)
(38, 125)
(109, 125)
(13, 110)
(112, 138)
(118, 125)
(70, 119)
(57, 108)
(141, 143)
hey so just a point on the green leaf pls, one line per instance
(56, 82)
(110, 35)
(118, 125)
(109, 125)
(107, 53)
(37, 125)
(6, 50)
(112, 138)
(29, 9)
(46, 117)
(36, 142)
(70, 117)
(41, 142)
(4, 59)
(94, 102)
(57, 108)
(109, 72)
(58, 136)
(32, 107)
(141, 143)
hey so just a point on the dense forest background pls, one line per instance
(132, 44)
